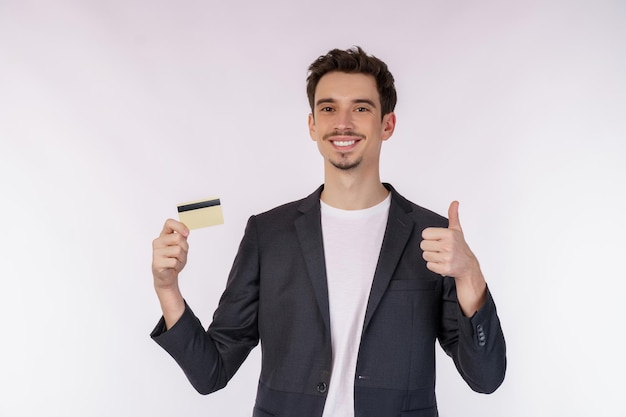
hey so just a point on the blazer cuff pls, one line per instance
(172, 340)
(477, 326)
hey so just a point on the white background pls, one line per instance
(112, 112)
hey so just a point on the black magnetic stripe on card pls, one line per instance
(200, 205)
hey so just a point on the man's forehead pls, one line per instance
(336, 85)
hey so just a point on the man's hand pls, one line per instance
(447, 254)
(169, 256)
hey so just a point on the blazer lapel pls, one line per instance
(309, 231)
(399, 228)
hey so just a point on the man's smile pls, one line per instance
(343, 143)
(344, 140)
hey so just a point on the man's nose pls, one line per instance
(344, 120)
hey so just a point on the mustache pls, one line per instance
(344, 133)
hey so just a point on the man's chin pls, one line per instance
(346, 165)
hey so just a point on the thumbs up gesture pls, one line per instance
(445, 250)
(446, 253)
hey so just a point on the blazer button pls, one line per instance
(322, 387)
(482, 339)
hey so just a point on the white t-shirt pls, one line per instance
(352, 242)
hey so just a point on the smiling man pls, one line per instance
(348, 289)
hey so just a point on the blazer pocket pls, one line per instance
(412, 284)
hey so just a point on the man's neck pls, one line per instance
(351, 192)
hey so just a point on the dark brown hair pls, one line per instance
(353, 60)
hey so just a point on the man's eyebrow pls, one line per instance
(365, 101)
(324, 101)
(355, 101)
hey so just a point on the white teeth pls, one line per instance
(344, 142)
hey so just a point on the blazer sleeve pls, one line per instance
(476, 344)
(209, 358)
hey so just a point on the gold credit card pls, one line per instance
(201, 213)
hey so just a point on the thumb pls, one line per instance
(453, 217)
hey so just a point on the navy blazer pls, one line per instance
(277, 293)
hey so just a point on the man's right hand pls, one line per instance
(169, 256)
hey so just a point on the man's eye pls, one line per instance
(326, 109)
(362, 109)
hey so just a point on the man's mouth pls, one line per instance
(343, 143)
(345, 139)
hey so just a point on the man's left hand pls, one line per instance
(447, 254)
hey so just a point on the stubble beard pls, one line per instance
(345, 164)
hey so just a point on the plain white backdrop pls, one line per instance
(111, 113)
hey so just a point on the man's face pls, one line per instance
(346, 121)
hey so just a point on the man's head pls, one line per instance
(354, 61)
(352, 97)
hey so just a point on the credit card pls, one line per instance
(201, 213)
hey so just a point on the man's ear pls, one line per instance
(312, 131)
(389, 125)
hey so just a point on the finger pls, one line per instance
(434, 233)
(430, 245)
(174, 226)
(438, 257)
(437, 268)
(453, 217)
(173, 239)
(171, 257)
(177, 252)
(438, 234)
(164, 264)
(432, 256)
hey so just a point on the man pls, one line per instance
(347, 289)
